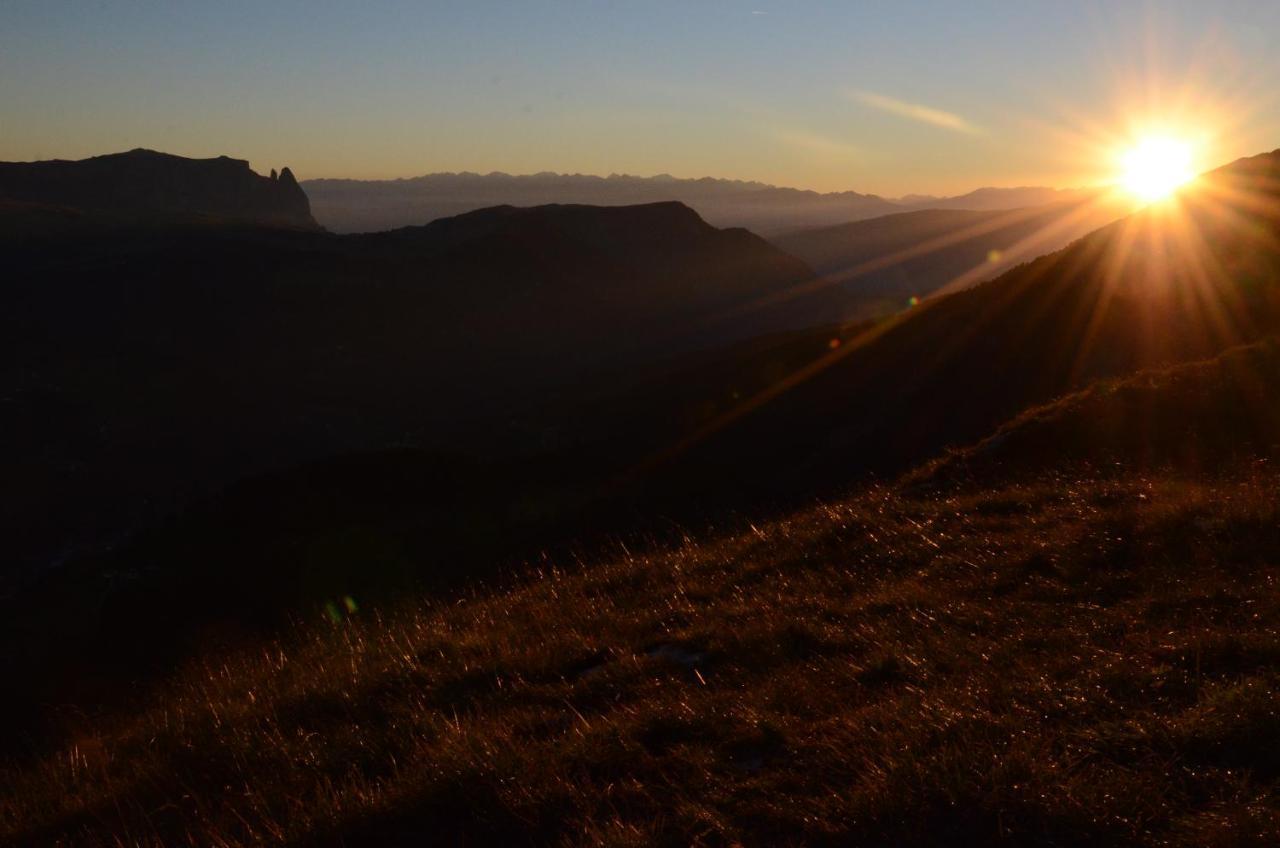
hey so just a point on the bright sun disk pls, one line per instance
(1155, 167)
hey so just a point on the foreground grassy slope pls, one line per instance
(1060, 662)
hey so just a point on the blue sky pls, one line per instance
(889, 97)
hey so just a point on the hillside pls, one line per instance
(1083, 654)
(1080, 650)
(1198, 417)
(1061, 662)
(147, 183)
(1061, 659)
(885, 261)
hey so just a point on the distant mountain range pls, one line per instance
(142, 183)
(369, 205)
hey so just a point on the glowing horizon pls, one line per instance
(821, 97)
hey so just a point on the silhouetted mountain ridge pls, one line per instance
(144, 181)
(636, 227)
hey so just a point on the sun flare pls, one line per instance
(1155, 167)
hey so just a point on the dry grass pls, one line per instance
(1067, 663)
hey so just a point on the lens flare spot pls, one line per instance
(913, 301)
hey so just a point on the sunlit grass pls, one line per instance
(1059, 662)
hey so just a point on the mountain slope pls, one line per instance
(994, 199)
(143, 182)
(1174, 283)
(1200, 418)
(887, 260)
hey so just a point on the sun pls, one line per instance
(1155, 167)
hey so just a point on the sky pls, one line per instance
(883, 97)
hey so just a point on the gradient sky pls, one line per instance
(885, 97)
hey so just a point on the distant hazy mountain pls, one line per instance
(365, 206)
(348, 206)
(884, 261)
(143, 182)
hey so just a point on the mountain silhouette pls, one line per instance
(147, 365)
(146, 183)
